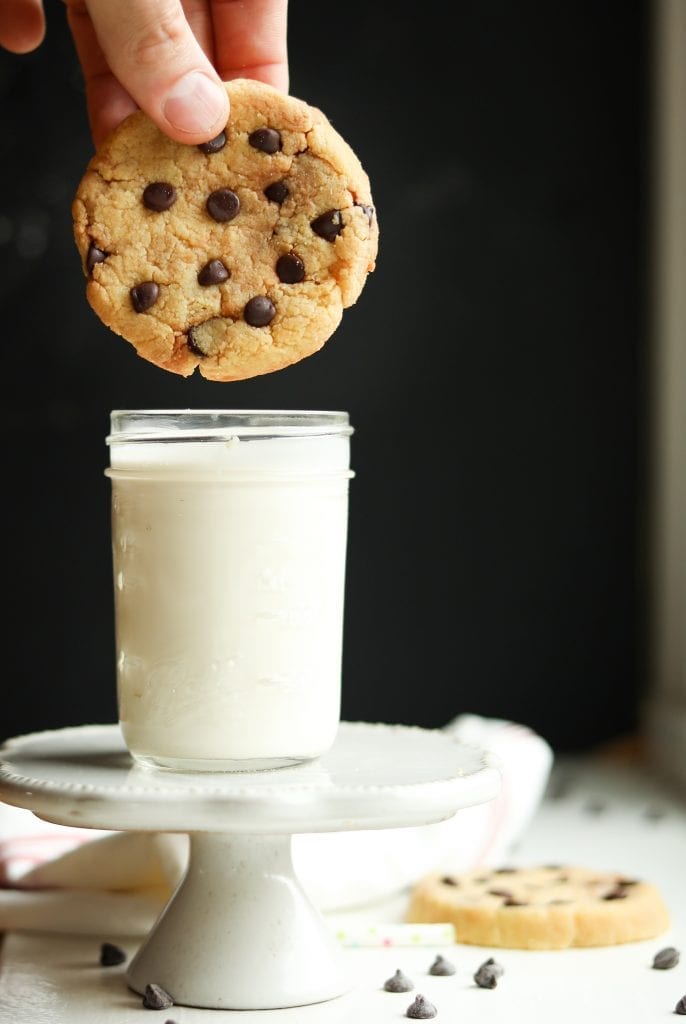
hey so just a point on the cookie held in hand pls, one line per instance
(551, 907)
(236, 257)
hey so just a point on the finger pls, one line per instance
(107, 100)
(250, 40)
(22, 25)
(199, 17)
(151, 49)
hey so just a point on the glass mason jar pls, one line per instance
(229, 534)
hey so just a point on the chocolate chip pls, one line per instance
(680, 1007)
(497, 968)
(510, 901)
(367, 210)
(159, 196)
(277, 192)
(93, 256)
(290, 268)
(398, 983)
(328, 225)
(447, 880)
(192, 343)
(213, 272)
(442, 967)
(421, 1009)
(223, 205)
(144, 295)
(155, 998)
(267, 140)
(506, 871)
(499, 892)
(259, 311)
(214, 145)
(666, 959)
(557, 903)
(487, 976)
(615, 894)
(111, 955)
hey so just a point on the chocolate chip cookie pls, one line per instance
(236, 257)
(550, 907)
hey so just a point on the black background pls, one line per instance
(491, 368)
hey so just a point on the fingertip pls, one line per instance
(277, 75)
(195, 109)
(22, 26)
(104, 119)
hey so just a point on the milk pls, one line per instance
(229, 550)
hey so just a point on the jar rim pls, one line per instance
(206, 425)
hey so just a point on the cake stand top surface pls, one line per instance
(374, 776)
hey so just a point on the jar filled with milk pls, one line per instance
(229, 533)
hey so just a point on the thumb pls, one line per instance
(152, 51)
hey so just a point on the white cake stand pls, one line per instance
(240, 932)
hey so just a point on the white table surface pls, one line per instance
(602, 814)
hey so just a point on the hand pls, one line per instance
(168, 57)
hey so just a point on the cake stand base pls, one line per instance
(240, 933)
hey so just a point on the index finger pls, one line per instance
(107, 100)
(250, 40)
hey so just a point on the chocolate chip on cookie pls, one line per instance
(618, 893)
(214, 145)
(236, 233)
(267, 140)
(213, 272)
(223, 205)
(93, 256)
(144, 295)
(159, 196)
(328, 225)
(260, 311)
(193, 342)
(277, 192)
(290, 268)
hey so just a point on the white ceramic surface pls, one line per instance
(240, 913)
(375, 776)
(48, 978)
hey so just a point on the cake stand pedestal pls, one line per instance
(240, 932)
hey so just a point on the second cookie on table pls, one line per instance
(551, 907)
